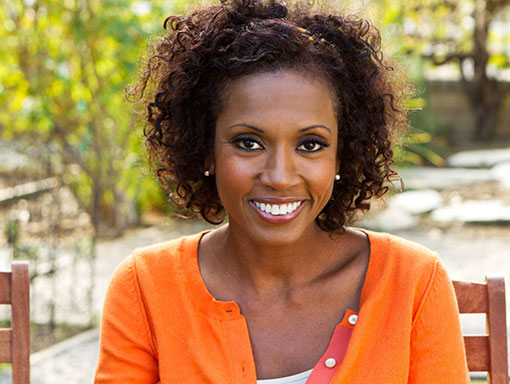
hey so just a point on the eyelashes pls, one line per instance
(305, 145)
(247, 143)
(312, 144)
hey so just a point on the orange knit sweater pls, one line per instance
(160, 324)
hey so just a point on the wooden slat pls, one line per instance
(20, 323)
(5, 288)
(496, 323)
(471, 297)
(477, 352)
(5, 346)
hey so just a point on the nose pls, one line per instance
(280, 171)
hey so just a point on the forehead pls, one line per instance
(300, 98)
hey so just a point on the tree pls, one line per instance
(472, 34)
(64, 67)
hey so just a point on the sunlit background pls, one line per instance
(77, 194)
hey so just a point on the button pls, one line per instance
(353, 319)
(330, 363)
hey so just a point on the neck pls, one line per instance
(263, 268)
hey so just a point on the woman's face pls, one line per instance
(275, 154)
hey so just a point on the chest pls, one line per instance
(292, 339)
(289, 347)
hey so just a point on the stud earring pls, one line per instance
(207, 173)
(337, 177)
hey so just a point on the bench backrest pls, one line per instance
(486, 352)
(15, 341)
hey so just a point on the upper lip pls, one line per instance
(277, 200)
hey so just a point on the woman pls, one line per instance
(283, 119)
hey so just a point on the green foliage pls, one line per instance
(64, 67)
(426, 137)
(11, 231)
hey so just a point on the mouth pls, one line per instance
(277, 209)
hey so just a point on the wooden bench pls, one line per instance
(15, 341)
(486, 353)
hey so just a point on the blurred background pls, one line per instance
(77, 194)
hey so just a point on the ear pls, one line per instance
(337, 166)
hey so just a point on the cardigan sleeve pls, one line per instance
(127, 353)
(437, 347)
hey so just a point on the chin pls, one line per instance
(278, 237)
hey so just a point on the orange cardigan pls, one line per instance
(160, 324)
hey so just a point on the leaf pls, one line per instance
(416, 103)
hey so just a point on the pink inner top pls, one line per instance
(323, 373)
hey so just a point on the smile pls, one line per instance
(277, 209)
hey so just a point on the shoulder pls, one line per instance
(155, 263)
(403, 270)
(398, 252)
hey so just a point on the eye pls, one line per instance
(247, 143)
(312, 145)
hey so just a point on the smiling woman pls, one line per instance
(283, 119)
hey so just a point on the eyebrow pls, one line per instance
(315, 126)
(247, 126)
(262, 131)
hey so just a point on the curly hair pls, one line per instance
(187, 68)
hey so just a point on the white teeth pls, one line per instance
(277, 209)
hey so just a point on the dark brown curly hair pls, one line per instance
(187, 68)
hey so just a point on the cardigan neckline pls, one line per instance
(229, 310)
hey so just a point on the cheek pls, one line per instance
(326, 182)
(321, 180)
(233, 179)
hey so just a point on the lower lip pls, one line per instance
(280, 219)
